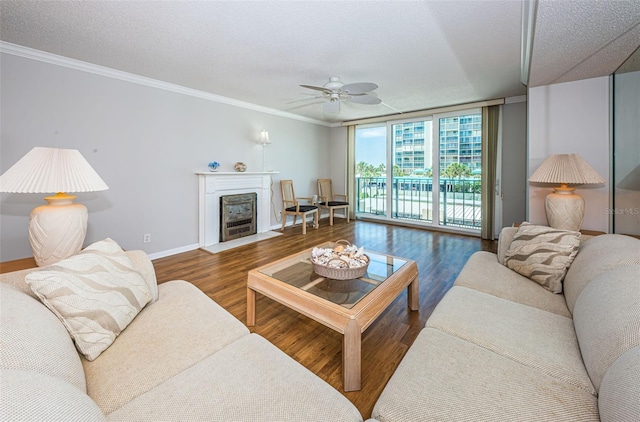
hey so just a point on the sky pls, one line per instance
(371, 144)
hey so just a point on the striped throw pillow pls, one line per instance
(95, 294)
(542, 254)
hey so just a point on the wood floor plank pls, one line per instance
(223, 277)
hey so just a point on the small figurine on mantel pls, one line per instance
(240, 166)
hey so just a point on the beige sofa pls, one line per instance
(182, 358)
(499, 347)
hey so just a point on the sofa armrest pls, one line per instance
(504, 241)
(144, 266)
(16, 278)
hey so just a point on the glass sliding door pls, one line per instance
(411, 176)
(460, 169)
(371, 170)
(427, 171)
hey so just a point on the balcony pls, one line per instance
(412, 199)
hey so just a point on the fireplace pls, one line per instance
(237, 216)
(213, 185)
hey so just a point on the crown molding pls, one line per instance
(42, 56)
(517, 99)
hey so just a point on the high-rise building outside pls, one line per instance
(461, 142)
(412, 146)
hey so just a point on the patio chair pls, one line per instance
(327, 199)
(291, 205)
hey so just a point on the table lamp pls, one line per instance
(56, 230)
(565, 208)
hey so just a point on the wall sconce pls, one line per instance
(263, 139)
(564, 208)
(56, 230)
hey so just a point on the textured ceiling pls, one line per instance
(578, 39)
(422, 54)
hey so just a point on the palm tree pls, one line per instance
(368, 170)
(457, 171)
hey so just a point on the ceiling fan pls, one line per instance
(334, 92)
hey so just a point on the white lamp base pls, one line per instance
(57, 230)
(565, 209)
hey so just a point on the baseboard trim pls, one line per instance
(187, 248)
(175, 251)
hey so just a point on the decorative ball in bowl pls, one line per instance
(240, 166)
(342, 262)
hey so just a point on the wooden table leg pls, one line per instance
(251, 307)
(413, 295)
(351, 355)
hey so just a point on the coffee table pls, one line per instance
(347, 306)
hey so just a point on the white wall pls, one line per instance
(146, 143)
(514, 163)
(565, 118)
(338, 159)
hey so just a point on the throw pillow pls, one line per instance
(95, 294)
(542, 254)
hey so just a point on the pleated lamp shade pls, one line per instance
(565, 208)
(56, 230)
(570, 169)
(49, 170)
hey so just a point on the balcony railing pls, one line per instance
(412, 199)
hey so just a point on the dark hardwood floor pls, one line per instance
(223, 277)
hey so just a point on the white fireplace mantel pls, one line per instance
(213, 185)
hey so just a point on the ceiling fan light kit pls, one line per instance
(334, 83)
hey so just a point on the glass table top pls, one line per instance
(297, 271)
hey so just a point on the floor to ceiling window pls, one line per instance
(371, 169)
(401, 172)
(411, 176)
(460, 169)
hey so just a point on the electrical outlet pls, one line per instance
(147, 238)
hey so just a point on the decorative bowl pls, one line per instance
(240, 166)
(342, 262)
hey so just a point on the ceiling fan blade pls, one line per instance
(359, 87)
(317, 88)
(365, 99)
(331, 107)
